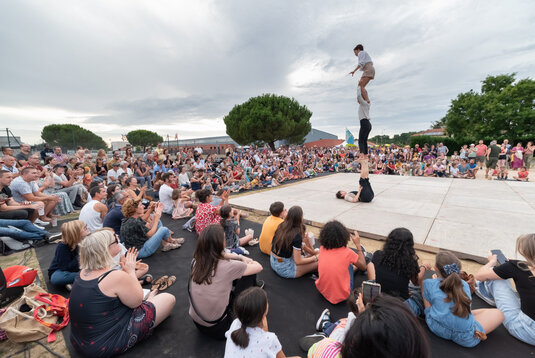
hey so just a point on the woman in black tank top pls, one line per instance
(107, 311)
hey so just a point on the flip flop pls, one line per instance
(146, 279)
(168, 282)
(156, 284)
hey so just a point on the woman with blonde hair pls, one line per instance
(107, 311)
(64, 266)
(495, 289)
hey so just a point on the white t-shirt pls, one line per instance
(128, 172)
(165, 194)
(113, 173)
(261, 343)
(364, 107)
(183, 179)
(364, 58)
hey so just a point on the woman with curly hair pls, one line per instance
(396, 265)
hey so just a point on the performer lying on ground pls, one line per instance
(366, 66)
(365, 193)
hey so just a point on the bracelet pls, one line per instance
(425, 268)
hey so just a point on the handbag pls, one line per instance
(56, 305)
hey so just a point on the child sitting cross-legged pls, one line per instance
(230, 220)
(447, 301)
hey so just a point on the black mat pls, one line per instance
(294, 307)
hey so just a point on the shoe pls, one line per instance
(253, 242)
(245, 252)
(178, 241)
(482, 292)
(307, 341)
(41, 222)
(54, 237)
(68, 287)
(39, 226)
(324, 317)
(260, 283)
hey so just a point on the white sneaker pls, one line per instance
(39, 226)
(41, 222)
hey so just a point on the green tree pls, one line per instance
(70, 136)
(268, 118)
(502, 108)
(143, 138)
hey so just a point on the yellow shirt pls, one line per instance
(268, 231)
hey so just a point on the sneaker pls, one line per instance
(253, 242)
(54, 237)
(41, 222)
(245, 252)
(482, 292)
(260, 283)
(68, 287)
(324, 317)
(306, 342)
(39, 226)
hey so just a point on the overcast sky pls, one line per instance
(180, 66)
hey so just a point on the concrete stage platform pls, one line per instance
(469, 216)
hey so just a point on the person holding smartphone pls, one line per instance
(494, 288)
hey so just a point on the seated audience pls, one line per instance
(12, 210)
(113, 172)
(10, 165)
(337, 262)
(384, 328)
(22, 229)
(248, 335)
(495, 288)
(206, 213)
(65, 265)
(270, 225)
(132, 190)
(165, 193)
(286, 252)
(522, 175)
(143, 232)
(447, 301)
(94, 211)
(62, 184)
(114, 217)
(183, 206)
(217, 277)
(230, 221)
(107, 311)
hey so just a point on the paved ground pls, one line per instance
(470, 216)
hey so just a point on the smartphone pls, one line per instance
(370, 290)
(501, 257)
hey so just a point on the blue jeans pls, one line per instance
(462, 338)
(26, 230)
(61, 278)
(151, 245)
(517, 323)
(286, 268)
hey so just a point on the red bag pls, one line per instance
(58, 306)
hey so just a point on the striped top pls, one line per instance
(326, 348)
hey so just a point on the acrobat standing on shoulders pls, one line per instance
(365, 124)
(366, 66)
(365, 193)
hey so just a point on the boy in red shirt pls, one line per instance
(522, 174)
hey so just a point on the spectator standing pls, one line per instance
(493, 152)
(518, 156)
(481, 151)
(528, 155)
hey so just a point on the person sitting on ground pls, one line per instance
(248, 335)
(166, 192)
(197, 180)
(113, 174)
(502, 173)
(428, 170)
(464, 169)
(123, 168)
(10, 209)
(371, 334)
(132, 190)
(396, 266)
(22, 229)
(114, 217)
(494, 288)
(206, 213)
(107, 311)
(183, 206)
(10, 165)
(286, 252)
(337, 262)
(24, 189)
(65, 266)
(142, 174)
(270, 225)
(439, 169)
(447, 301)
(183, 178)
(522, 175)
(454, 170)
(217, 277)
(24, 154)
(472, 169)
(94, 211)
(365, 193)
(230, 221)
(144, 233)
(68, 186)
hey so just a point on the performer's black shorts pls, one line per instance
(367, 192)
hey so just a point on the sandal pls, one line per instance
(170, 246)
(156, 285)
(146, 279)
(177, 241)
(166, 283)
(253, 242)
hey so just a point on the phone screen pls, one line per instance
(370, 291)
(501, 257)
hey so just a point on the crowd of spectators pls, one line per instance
(122, 199)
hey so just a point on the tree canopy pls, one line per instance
(70, 136)
(268, 118)
(503, 107)
(143, 138)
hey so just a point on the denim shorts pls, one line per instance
(286, 268)
(462, 338)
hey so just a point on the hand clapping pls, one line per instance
(129, 264)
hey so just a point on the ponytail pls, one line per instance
(452, 285)
(224, 212)
(240, 337)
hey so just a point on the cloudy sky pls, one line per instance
(180, 66)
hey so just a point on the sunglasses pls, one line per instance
(116, 241)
